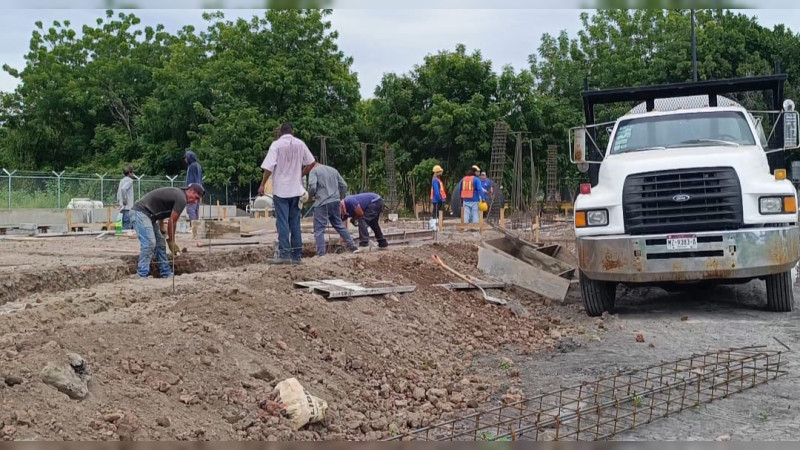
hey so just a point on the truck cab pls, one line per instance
(686, 195)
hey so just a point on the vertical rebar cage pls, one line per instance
(603, 408)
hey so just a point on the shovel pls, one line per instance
(468, 279)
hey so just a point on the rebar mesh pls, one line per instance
(599, 409)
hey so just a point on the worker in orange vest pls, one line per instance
(472, 193)
(438, 195)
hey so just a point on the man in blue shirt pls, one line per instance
(366, 208)
(472, 193)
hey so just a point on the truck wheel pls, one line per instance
(779, 292)
(598, 296)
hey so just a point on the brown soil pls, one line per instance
(199, 362)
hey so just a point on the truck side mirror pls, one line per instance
(579, 146)
(790, 122)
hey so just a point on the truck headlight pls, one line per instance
(777, 205)
(593, 218)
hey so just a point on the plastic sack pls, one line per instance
(299, 406)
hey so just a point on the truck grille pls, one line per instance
(682, 200)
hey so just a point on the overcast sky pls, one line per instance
(380, 40)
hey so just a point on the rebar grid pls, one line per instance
(599, 409)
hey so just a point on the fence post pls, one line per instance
(9, 185)
(139, 184)
(58, 182)
(171, 180)
(101, 185)
(227, 182)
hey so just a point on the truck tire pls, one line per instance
(598, 296)
(779, 292)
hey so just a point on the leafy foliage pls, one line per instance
(119, 92)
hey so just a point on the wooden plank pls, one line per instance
(464, 286)
(526, 252)
(222, 230)
(509, 269)
(370, 291)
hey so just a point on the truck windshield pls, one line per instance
(683, 130)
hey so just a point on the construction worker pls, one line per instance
(284, 163)
(157, 205)
(125, 197)
(327, 187)
(365, 208)
(472, 193)
(488, 187)
(438, 195)
(194, 175)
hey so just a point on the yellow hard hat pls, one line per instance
(476, 168)
(483, 206)
(437, 168)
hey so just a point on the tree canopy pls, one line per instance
(120, 92)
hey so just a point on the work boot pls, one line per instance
(279, 261)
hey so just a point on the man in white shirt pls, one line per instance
(284, 162)
(125, 197)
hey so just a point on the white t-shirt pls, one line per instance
(285, 159)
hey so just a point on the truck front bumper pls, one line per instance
(746, 253)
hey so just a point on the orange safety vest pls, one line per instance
(442, 192)
(468, 187)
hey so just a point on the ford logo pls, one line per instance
(681, 197)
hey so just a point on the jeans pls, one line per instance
(150, 241)
(192, 210)
(371, 219)
(126, 219)
(471, 212)
(330, 213)
(287, 217)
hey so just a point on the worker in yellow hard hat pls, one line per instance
(472, 193)
(438, 195)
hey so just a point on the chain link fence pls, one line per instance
(21, 189)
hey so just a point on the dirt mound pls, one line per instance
(199, 362)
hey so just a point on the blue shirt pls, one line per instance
(478, 193)
(363, 200)
(437, 191)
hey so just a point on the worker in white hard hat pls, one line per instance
(438, 195)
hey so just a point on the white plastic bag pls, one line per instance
(432, 224)
(299, 406)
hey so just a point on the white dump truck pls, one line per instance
(686, 188)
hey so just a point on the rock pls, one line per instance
(78, 364)
(385, 353)
(379, 424)
(189, 399)
(282, 345)
(113, 417)
(478, 334)
(50, 346)
(267, 374)
(8, 431)
(206, 361)
(213, 349)
(509, 399)
(555, 334)
(356, 364)
(125, 432)
(457, 397)
(639, 337)
(400, 385)
(724, 437)
(436, 393)
(66, 380)
(472, 403)
(651, 345)
(401, 403)
(12, 380)
(418, 394)
(22, 417)
(684, 318)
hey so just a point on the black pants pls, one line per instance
(371, 219)
(436, 208)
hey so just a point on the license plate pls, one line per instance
(682, 242)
